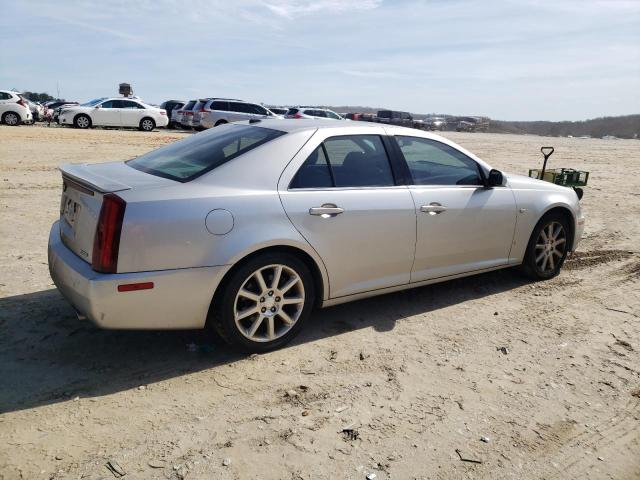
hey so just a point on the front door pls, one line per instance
(462, 226)
(107, 113)
(341, 196)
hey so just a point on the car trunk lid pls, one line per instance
(83, 190)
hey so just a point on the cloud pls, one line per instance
(291, 9)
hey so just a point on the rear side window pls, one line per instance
(315, 172)
(346, 161)
(435, 163)
(130, 104)
(187, 159)
(217, 105)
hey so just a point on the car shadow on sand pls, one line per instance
(47, 355)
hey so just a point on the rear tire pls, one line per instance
(259, 316)
(12, 119)
(82, 121)
(547, 248)
(147, 124)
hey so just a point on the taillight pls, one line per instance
(106, 242)
(297, 115)
(163, 112)
(21, 102)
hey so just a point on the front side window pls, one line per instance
(346, 161)
(435, 163)
(108, 104)
(335, 116)
(91, 103)
(258, 110)
(187, 159)
(239, 107)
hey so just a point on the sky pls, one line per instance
(509, 60)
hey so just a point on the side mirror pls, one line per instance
(495, 178)
(98, 106)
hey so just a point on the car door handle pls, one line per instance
(326, 210)
(434, 208)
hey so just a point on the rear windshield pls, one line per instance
(189, 105)
(187, 159)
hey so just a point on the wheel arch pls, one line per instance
(83, 114)
(568, 215)
(11, 111)
(318, 273)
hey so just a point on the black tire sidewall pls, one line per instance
(6, 114)
(222, 310)
(530, 265)
(75, 121)
(144, 129)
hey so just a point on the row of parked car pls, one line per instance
(198, 114)
(204, 113)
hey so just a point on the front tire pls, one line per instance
(147, 124)
(264, 303)
(82, 121)
(547, 248)
(12, 119)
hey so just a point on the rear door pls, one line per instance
(131, 113)
(462, 226)
(341, 195)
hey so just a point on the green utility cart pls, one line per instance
(567, 177)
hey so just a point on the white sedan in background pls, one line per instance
(114, 112)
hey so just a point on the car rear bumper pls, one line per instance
(179, 298)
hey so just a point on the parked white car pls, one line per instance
(114, 112)
(14, 110)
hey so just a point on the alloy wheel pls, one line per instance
(82, 122)
(550, 246)
(11, 119)
(269, 303)
(147, 125)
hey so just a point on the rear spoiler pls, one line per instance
(80, 174)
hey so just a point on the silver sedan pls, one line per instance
(247, 227)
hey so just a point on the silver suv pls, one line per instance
(312, 112)
(212, 112)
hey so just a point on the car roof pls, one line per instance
(293, 125)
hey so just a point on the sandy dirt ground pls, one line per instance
(395, 385)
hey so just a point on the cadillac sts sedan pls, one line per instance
(247, 227)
